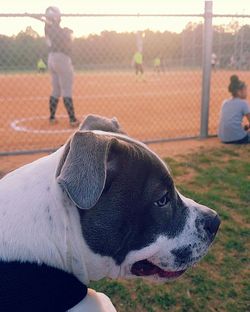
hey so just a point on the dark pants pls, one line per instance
(245, 140)
(138, 69)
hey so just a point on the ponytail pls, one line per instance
(235, 85)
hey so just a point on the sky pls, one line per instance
(84, 26)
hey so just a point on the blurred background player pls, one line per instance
(214, 61)
(232, 63)
(137, 62)
(157, 64)
(59, 41)
(232, 114)
(41, 66)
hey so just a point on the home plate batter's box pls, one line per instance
(166, 105)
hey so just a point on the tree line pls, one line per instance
(112, 50)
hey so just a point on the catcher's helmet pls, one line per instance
(53, 14)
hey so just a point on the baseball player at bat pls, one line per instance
(59, 41)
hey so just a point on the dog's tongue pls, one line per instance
(146, 268)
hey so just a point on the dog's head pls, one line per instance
(134, 221)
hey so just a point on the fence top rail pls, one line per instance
(123, 15)
(99, 15)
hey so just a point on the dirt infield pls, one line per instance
(165, 106)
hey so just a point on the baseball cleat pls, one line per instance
(74, 123)
(53, 121)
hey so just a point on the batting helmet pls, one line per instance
(53, 14)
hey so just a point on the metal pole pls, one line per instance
(206, 67)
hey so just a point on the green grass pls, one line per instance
(220, 179)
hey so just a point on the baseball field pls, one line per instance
(164, 106)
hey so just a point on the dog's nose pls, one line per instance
(212, 224)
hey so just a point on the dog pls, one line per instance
(102, 205)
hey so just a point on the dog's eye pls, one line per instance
(163, 201)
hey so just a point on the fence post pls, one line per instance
(206, 67)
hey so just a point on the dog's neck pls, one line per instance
(75, 258)
(80, 260)
(44, 201)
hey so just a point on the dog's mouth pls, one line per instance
(146, 268)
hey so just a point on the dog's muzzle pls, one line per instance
(207, 225)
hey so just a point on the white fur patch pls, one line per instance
(36, 225)
(94, 302)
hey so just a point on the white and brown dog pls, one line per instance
(103, 205)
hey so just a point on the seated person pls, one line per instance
(232, 114)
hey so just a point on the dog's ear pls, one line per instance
(95, 122)
(82, 169)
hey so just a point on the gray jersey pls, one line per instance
(231, 116)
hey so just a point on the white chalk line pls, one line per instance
(16, 125)
(155, 80)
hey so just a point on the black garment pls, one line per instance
(59, 39)
(138, 68)
(53, 102)
(29, 287)
(241, 141)
(68, 103)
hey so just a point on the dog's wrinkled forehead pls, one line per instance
(138, 147)
(142, 163)
(89, 157)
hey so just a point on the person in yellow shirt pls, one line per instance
(41, 66)
(138, 64)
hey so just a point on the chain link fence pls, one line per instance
(164, 104)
